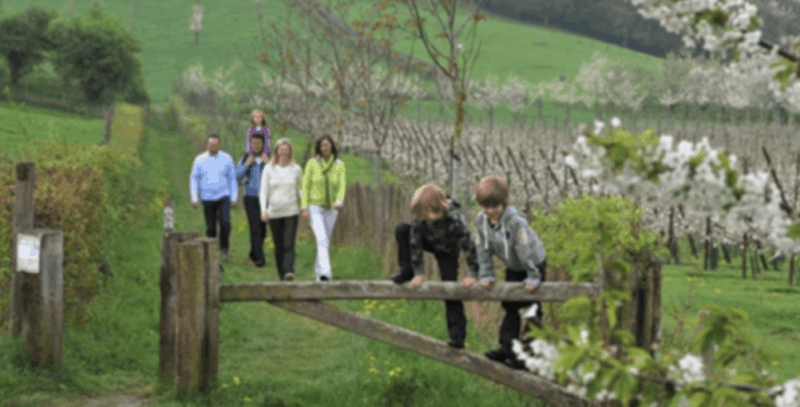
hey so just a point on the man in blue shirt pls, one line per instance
(213, 173)
(253, 165)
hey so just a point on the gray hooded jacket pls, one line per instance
(513, 241)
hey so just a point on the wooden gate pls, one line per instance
(191, 296)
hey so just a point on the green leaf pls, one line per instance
(624, 336)
(625, 387)
(598, 382)
(740, 315)
(570, 357)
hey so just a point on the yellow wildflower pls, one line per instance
(236, 380)
(246, 399)
(374, 371)
(717, 290)
(224, 385)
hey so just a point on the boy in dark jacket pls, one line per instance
(443, 231)
(505, 233)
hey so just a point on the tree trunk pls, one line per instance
(108, 118)
(744, 256)
(377, 166)
(706, 257)
(726, 253)
(692, 245)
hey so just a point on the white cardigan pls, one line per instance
(279, 196)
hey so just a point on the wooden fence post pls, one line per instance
(40, 256)
(169, 303)
(24, 204)
(210, 349)
(191, 317)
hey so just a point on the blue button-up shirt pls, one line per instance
(214, 176)
(254, 184)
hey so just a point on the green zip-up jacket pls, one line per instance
(314, 182)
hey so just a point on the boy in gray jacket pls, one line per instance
(503, 232)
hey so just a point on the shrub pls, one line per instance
(61, 196)
(580, 227)
(194, 127)
(68, 177)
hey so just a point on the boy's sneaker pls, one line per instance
(402, 277)
(456, 344)
(288, 277)
(498, 355)
(323, 278)
(514, 363)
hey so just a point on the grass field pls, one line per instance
(530, 52)
(73, 128)
(272, 357)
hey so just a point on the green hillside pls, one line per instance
(530, 52)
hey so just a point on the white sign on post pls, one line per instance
(28, 253)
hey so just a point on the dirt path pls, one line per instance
(118, 400)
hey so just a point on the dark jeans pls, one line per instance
(219, 209)
(258, 230)
(509, 329)
(284, 232)
(448, 269)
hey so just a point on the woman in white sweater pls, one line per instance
(279, 197)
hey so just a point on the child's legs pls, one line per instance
(456, 321)
(509, 329)
(402, 234)
(323, 263)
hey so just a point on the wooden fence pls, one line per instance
(191, 296)
(36, 309)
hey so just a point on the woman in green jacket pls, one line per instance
(324, 186)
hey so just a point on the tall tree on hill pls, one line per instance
(458, 60)
(195, 23)
(95, 50)
(26, 40)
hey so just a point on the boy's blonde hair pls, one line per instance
(428, 198)
(492, 191)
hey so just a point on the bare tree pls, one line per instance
(337, 49)
(195, 23)
(459, 60)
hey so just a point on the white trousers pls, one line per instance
(322, 221)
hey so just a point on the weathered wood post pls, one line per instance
(39, 260)
(23, 220)
(191, 317)
(210, 349)
(169, 302)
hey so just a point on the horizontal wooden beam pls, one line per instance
(430, 290)
(520, 380)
